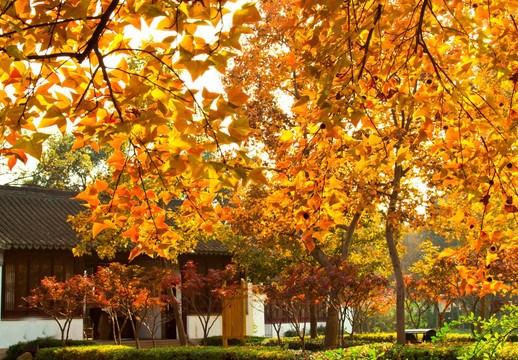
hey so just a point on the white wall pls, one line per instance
(254, 320)
(271, 333)
(14, 331)
(195, 329)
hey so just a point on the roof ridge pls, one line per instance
(37, 191)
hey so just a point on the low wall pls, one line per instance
(14, 331)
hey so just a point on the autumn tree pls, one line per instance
(65, 65)
(387, 96)
(203, 294)
(297, 288)
(417, 300)
(392, 102)
(161, 284)
(121, 291)
(61, 300)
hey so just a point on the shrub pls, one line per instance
(389, 351)
(114, 352)
(40, 343)
(218, 341)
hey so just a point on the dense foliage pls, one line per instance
(169, 353)
(40, 343)
(400, 111)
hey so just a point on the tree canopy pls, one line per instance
(401, 111)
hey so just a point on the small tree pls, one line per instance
(298, 288)
(203, 294)
(61, 300)
(417, 301)
(120, 290)
(275, 304)
(161, 284)
(357, 293)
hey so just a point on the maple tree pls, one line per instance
(388, 96)
(358, 292)
(161, 284)
(297, 288)
(67, 66)
(203, 293)
(417, 302)
(125, 290)
(62, 300)
(393, 102)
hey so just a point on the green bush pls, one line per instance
(509, 352)
(113, 352)
(375, 337)
(40, 343)
(389, 351)
(218, 341)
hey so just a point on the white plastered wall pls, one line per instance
(14, 331)
(254, 320)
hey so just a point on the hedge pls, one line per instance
(18, 349)
(218, 341)
(114, 352)
(317, 344)
(408, 352)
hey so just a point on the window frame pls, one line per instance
(26, 262)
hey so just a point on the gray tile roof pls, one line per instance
(211, 247)
(36, 218)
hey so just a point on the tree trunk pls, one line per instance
(332, 321)
(482, 313)
(400, 287)
(313, 332)
(179, 323)
(332, 325)
(394, 257)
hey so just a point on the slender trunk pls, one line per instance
(332, 324)
(277, 327)
(179, 323)
(114, 330)
(394, 257)
(482, 313)
(400, 285)
(63, 329)
(313, 321)
(304, 335)
(68, 324)
(136, 334)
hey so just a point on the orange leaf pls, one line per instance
(135, 252)
(308, 240)
(98, 227)
(11, 162)
(236, 96)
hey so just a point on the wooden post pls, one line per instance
(225, 319)
(244, 295)
(234, 315)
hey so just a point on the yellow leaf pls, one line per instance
(98, 227)
(247, 14)
(236, 96)
(286, 135)
(257, 176)
(31, 144)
